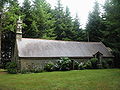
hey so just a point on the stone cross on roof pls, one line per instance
(19, 25)
(19, 29)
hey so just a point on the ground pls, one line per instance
(101, 79)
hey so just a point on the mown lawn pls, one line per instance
(104, 79)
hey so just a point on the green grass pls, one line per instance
(104, 79)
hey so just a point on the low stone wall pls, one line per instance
(29, 64)
(39, 63)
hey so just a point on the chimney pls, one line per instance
(19, 29)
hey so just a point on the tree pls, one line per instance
(10, 13)
(27, 12)
(93, 26)
(2, 2)
(59, 19)
(69, 34)
(42, 19)
(63, 23)
(78, 31)
(112, 31)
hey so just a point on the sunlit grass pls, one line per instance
(102, 79)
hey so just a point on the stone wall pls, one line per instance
(29, 63)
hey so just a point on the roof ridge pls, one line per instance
(61, 40)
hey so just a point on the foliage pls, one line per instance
(49, 67)
(112, 30)
(94, 25)
(110, 63)
(11, 67)
(41, 21)
(88, 65)
(81, 66)
(64, 64)
(76, 65)
(94, 62)
(38, 19)
(10, 11)
(26, 71)
(79, 34)
(66, 28)
(105, 64)
(105, 27)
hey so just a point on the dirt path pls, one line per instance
(3, 72)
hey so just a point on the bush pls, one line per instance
(24, 71)
(49, 67)
(76, 65)
(110, 63)
(94, 62)
(57, 67)
(11, 67)
(105, 64)
(81, 66)
(88, 65)
(64, 64)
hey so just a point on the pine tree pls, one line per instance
(59, 16)
(42, 19)
(93, 26)
(68, 28)
(112, 30)
(27, 30)
(76, 29)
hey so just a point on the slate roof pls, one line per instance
(54, 48)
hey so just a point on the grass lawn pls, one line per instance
(104, 79)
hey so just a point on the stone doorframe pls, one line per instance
(99, 56)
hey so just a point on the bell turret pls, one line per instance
(19, 29)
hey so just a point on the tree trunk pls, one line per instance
(0, 38)
(0, 46)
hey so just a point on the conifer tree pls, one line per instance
(59, 16)
(76, 28)
(93, 26)
(42, 19)
(68, 28)
(112, 30)
(27, 12)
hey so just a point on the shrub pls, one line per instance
(76, 65)
(81, 66)
(105, 64)
(109, 62)
(11, 67)
(57, 67)
(37, 70)
(88, 65)
(49, 67)
(64, 64)
(94, 62)
(33, 70)
(24, 71)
